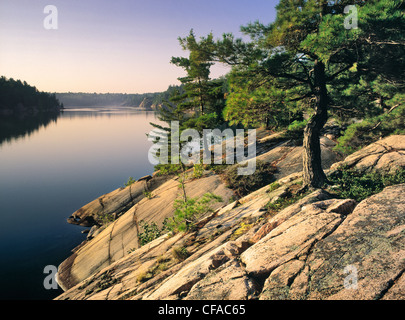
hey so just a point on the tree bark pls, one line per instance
(313, 174)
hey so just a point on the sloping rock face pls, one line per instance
(363, 258)
(228, 282)
(209, 247)
(116, 216)
(317, 248)
(288, 158)
(114, 204)
(119, 237)
(292, 238)
(213, 232)
(284, 154)
(386, 155)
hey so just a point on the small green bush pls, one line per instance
(168, 169)
(187, 212)
(274, 186)
(295, 131)
(282, 203)
(354, 184)
(361, 134)
(218, 168)
(130, 181)
(244, 227)
(180, 253)
(150, 232)
(198, 171)
(144, 276)
(149, 195)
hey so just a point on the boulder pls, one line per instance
(189, 275)
(289, 212)
(385, 155)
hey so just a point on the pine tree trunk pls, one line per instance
(313, 174)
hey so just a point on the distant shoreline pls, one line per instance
(145, 101)
(111, 107)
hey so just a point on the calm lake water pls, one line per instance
(50, 172)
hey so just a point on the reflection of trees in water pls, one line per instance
(14, 127)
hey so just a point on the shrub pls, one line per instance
(274, 186)
(218, 168)
(130, 181)
(168, 169)
(354, 184)
(148, 194)
(162, 264)
(180, 253)
(295, 131)
(187, 212)
(198, 171)
(150, 232)
(144, 276)
(282, 203)
(243, 185)
(105, 219)
(370, 130)
(244, 227)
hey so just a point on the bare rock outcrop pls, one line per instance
(228, 282)
(319, 247)
(385, 155)
(292, 238)
(287, 157)
(112, 205)
(119, 237)
(363, 259)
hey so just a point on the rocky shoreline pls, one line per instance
(240, 251)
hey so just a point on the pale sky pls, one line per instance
(121, 46)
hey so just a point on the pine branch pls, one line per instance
(387, 113)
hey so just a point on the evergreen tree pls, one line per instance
(203, 98)
(197, 67)
(310, 60)
(199, 102)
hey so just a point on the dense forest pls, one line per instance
(20, 99)
(147, 101)
(319, 60)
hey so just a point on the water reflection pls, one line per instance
(101, 111)
(50, 167)
(14, 127)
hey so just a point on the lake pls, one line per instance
(50, 171)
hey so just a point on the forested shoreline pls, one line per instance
(18, 98)
(146, 101)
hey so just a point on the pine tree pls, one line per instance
(197, 67)
(309, 51)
